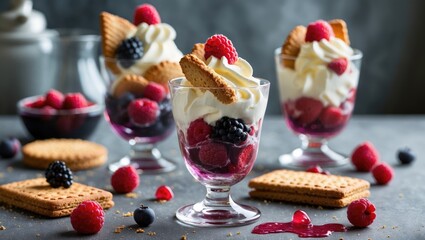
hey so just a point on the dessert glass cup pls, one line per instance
(144, 155)
(218, 208)
(314, 132)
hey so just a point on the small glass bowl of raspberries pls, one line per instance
(59, 115)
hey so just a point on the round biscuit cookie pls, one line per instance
(292, 45)
(163, 72)
(76, 153)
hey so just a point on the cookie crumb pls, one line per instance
(151, 233)
(38, 235)
(128, 214)
(119, 229)
(238, 233)
(140, 230)
(2, 228)
(131, 195)
(388, 236)
(229, 234)
(383, 227)
(183, 237)
(117, 212)
(395, 227)
(334, 217)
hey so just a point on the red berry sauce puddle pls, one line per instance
(301, 225)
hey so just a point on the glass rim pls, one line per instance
(175, 83)
(357, 54)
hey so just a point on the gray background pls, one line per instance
(389, 32)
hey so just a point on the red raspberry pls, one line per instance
(220, 46)
(383, 173)
(125, 179)
(338, 65)
(318, 30)
(364, 157)
(164, 193)
(38, 103)
(143, 111)
(88, 217)
(213, 154)
(54, 99)
(73, 101)
(331, 117)
(361, 213)
(310, 109)
(146, 13)
(242, 159)
(317, 169)
(198, 131)
(154, 91)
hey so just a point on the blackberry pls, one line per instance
(58, 174)
(230, 130)
(129, 51)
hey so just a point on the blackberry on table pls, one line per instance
(230, 130)
(129, 51)
(58, 175)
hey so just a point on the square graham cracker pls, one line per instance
(37, 196)
(310, 184)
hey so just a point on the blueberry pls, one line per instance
(405, 156)
(9, 147)
(144, 216)
(125, 100)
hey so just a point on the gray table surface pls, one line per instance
(400, 205)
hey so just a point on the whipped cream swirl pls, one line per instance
(313, 78)
(190, 104)
(158, 46)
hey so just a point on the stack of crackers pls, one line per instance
(309, 188)
(37, 196)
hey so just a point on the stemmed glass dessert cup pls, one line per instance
(142, 137)
(215, 155)
(316, 109)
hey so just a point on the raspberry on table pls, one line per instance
(383, 173)
(198, 131)
(74, 101)
(54, 99)
(338, 65)
(129, 51)
(220, 46)
(361, 213)
(125, 179)
(143, 111)
(318, 30)
(364, 157)
(230, 130)
(59, 175)
(164, 193)
(146, 13)
(88, 217)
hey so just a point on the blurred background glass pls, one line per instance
(389, 32)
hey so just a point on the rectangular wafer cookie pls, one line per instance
(312, 200)
(37, 196)
(311, 184)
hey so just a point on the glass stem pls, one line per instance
(144, 151)
(313, 144)
(217, 196)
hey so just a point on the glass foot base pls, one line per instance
(303, 159)
(201, 215)
(145, 165)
